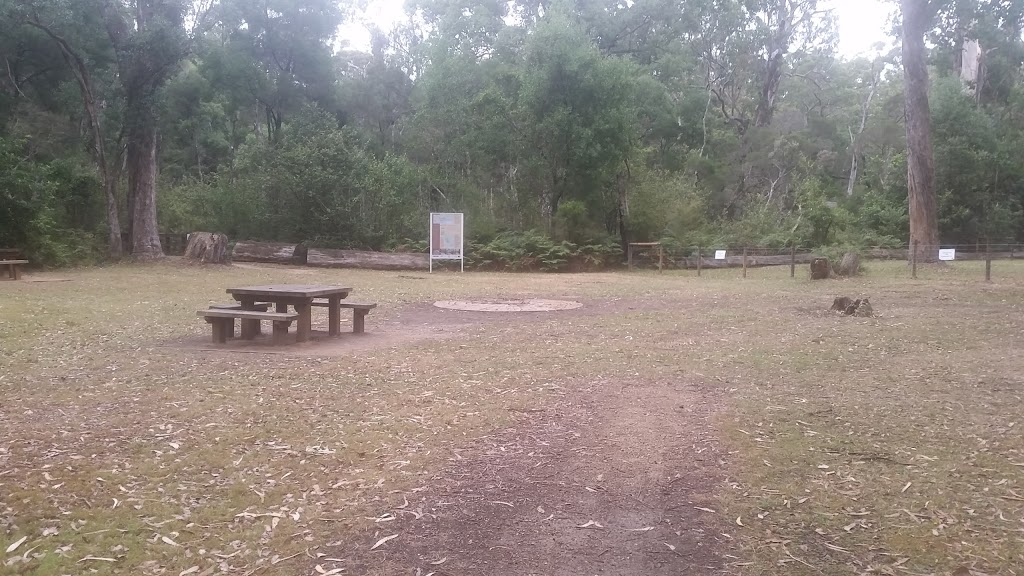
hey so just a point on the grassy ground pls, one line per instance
(890, 444)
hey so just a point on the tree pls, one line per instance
(924, 220)
(149, 40)
(49, 18)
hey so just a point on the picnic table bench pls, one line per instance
(13, 268)
(223, 322)
(255, 302)
(359, 312)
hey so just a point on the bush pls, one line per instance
(531, 250)
(40, 205)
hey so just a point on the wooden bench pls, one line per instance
(259, 306)
(13, 268)
(223, 322)
(359, 312)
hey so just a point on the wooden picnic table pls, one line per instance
(300, 297)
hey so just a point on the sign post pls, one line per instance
(446, 238)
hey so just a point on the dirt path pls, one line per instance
(634, 460)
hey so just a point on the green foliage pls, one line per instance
(41, 205)
(532, 250)
(666, 206)
(315, 183)
(562, 130)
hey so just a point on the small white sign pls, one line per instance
(719, 254)
(947, 254)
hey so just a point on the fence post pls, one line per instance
(988, 262)
(913, 259)
(792, 261)
(700, 260)
(629, 256)
(744, 261)
(661, 259)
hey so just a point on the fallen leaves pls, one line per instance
(16, 544)
(97, 559)
(591, 524)
(383, 541)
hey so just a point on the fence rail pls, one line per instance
(658, 256)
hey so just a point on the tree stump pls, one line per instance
(849, 265)
(849, 307)
(301, 254)
(820, 269)
(207, 248)
(841, 304)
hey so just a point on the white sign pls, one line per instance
(446, 238)
(719, 254)
(947, 254)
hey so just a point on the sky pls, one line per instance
(862, 23)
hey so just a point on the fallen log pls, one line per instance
(267, 252)
(328, 258)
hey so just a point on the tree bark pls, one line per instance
(142, 139)
(924, 226)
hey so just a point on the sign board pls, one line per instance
(446, 238)
(719, 254)
(947, 254)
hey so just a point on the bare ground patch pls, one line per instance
(617, 479)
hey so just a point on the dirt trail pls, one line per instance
(635, 458)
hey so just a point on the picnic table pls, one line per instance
(298, 296)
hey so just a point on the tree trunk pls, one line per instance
(855, 140)
(142, 187)
(924, 226)
(115, 248)
(769, 88)
(622, 183)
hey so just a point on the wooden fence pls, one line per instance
(173, 244)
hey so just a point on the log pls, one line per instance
(328, 258)
(207, 248)
(820, 269)
(849, 265)
(268, 252)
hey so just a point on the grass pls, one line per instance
(881, 445)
